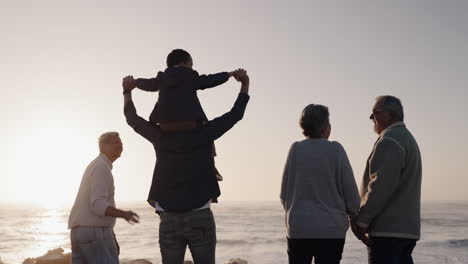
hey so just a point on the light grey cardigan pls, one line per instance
(318, 190)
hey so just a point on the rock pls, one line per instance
(54, 256)
(237, 261)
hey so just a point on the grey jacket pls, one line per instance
(391, 186)
(318, 190)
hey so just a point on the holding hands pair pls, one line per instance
(128, 82)
(240, 75)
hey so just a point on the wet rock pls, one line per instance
(57, 256)
(54, 256)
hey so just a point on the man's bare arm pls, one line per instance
(129, 216)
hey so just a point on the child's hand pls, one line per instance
(233, 74)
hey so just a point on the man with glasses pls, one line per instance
(389, 217)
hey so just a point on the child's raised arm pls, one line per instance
(149, 85)
(212, 80)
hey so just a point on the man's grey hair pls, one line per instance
(393, 105)
(105, 138)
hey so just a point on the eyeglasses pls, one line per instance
(375, 111)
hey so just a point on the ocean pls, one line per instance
(253, 231)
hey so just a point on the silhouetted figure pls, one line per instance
(93, 215)
(184, 182)
(318, 192)
(389, 220)
(178, 107)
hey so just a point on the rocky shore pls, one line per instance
(57, 256)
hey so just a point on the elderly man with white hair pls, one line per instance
(389, 220)
(93, 215)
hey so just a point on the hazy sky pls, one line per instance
(62, 63)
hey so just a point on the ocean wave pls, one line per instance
(450, 243)
(253, 241)
(231, 242)
(458, 243)
(268, 240)
(444, 222)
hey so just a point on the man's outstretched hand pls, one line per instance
(131, 217)
(128, 83)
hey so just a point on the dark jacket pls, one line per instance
(178, 100)
(184, 176)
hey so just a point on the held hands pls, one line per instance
(240, 75)
(128, 83)
(360, 233)
(233, 74)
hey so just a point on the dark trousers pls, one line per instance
(323, 250)
(390, 250)
(195, 229)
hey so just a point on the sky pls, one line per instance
(62, 63)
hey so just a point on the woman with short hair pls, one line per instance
(318, 192)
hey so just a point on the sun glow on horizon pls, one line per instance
(48, 164)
